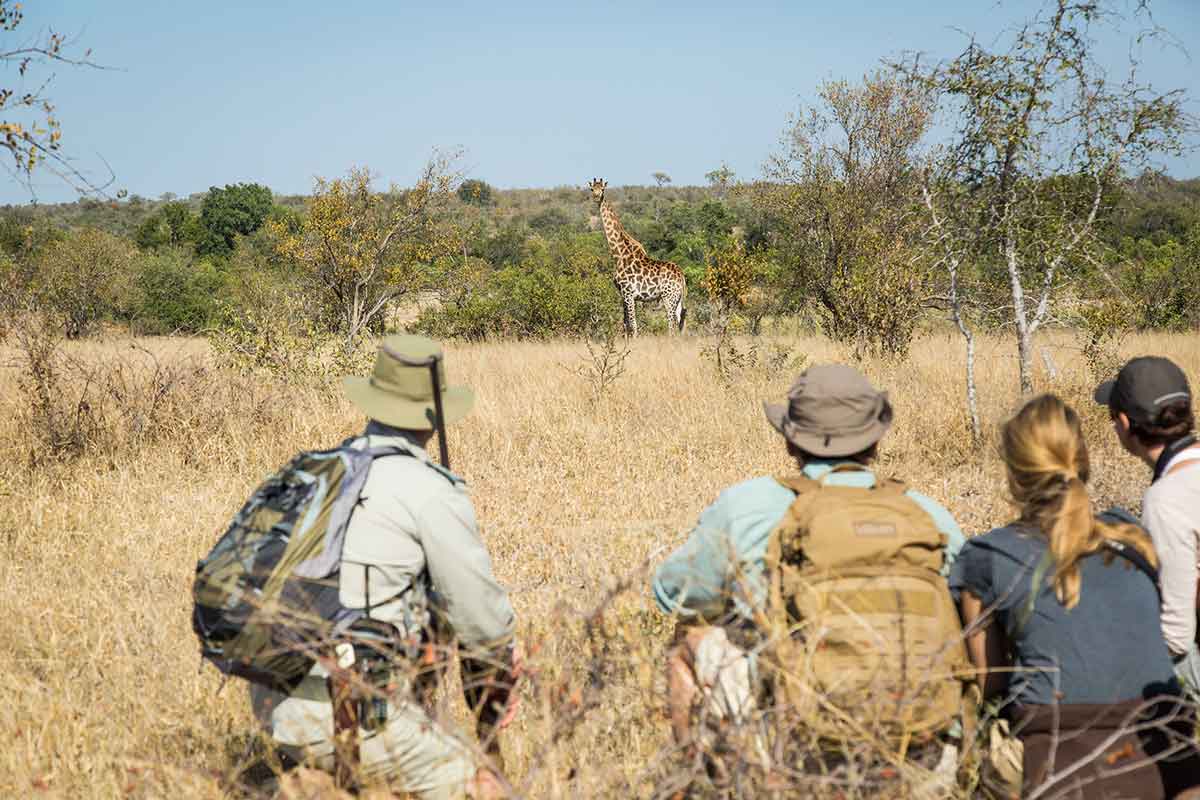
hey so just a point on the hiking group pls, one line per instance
(1054, 656)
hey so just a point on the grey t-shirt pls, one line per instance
(1108, 649)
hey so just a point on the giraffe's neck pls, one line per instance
(612, 226)
(625, 248)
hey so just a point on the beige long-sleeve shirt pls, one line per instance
(1171, 513)
(415, 517)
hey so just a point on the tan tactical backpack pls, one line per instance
(865, 641)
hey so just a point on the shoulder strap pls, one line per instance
(800, 484)
(1121, 549)
(1035, 589)
(1189, 456)
(357, 462)
(1131, 555)
(1168, 454)
(383, 451)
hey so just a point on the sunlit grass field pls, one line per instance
(103, 691)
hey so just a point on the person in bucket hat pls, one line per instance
(1150, 404)
(832, 412)
(832, 423)
(413, 558)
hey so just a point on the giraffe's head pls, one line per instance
(598, 186)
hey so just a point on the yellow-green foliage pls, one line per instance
(730, 275)
(360, 249)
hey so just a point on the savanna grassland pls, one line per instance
(104, 693)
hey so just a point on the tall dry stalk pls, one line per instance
(99, 668)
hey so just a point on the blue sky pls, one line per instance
(535, 93)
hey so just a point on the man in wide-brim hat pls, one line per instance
(833, 417)
(412, 537)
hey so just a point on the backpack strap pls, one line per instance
(357, 464)
(800, 484)
(891, 486)
(1047, 561)
(1138, 560)
(1035, 589)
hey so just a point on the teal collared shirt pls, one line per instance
(724, 554)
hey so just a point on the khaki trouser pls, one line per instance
(1001, 770)
(712, 686)
(412, 752)
(721, 681)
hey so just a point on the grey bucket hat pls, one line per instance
(832, 410)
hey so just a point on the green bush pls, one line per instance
(85, 278)
(225, 214)
(476, 192)
(176, 294)
(526, 302)
(173, 225)
(1165, 282)
(561, 288)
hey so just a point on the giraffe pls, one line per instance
(637, 275)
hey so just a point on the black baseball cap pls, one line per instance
(1143, 387)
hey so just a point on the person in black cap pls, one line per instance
(1150, 403)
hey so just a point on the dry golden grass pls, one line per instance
(104, 694)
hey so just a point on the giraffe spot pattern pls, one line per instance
(637, 276)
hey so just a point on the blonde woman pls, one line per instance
(1061, 609)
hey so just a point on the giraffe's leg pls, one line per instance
(629, 305)
(673, 305)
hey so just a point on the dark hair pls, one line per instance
(1175, 421)
(862, 456)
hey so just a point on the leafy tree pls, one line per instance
(840, 199)
(549, 221)
(720, 178)
(29, 125)
(1041, 136)
(175, 294)
(507, 247)
(85, 278)
(715, 220)
(361, 250)
(662, 179)
(475, 192)
(1163, 285)
(226, 213)
(561, 287)
(173, 225)
(23, 236)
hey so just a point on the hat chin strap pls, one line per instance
(439, 424)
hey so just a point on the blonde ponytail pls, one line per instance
(1048, 469)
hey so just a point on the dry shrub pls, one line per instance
(578, 499)
(114, 401)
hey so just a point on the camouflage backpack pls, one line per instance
(865, 638)
(266, 597)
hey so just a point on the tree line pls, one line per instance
(1005, 188)
(170, 267)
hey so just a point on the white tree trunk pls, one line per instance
(952, 262)
(1020, 319)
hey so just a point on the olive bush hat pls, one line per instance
(832, 410)
(399, 391)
